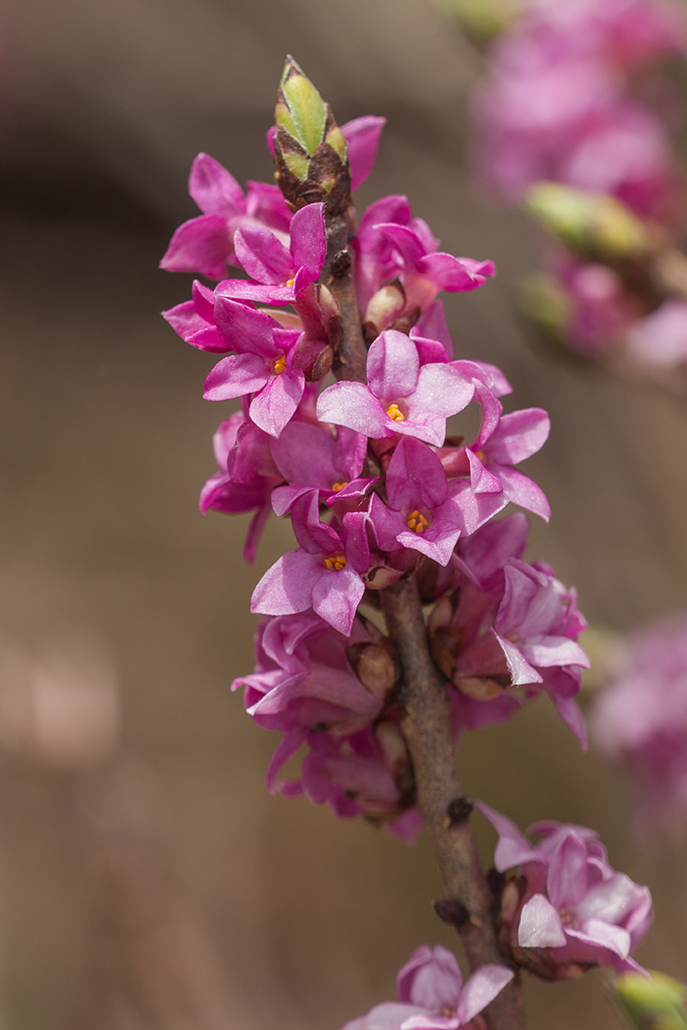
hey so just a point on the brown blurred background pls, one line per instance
(147, 880)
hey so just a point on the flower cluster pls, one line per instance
(570, 97)
(568, 909)
(640, 719)
(432, 995)
(374, 488)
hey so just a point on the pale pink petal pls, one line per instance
(362, 139)
(540, 925)
(480, 989)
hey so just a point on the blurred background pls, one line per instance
(147, 879)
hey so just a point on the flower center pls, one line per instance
(339, 486)
(335, 562)
(417, 522)
(395, 413)
(278, 365)
(289, 282)
(566, 918)
(480, 455)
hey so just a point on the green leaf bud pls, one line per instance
(594, 225)
(655, 1002)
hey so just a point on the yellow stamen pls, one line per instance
(417, 522)
(339, 486)
(279, 365)
(289, 282)
(566, 918)
(336, 562)
(480, 455)
(394, 412)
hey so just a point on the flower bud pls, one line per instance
(374, 666)
(482, 20)
(310, 151)
(396, 756)
(546, 305)
(594, 225)
(654, 1002)
(383, 309)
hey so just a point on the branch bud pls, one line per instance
(374, 666)
(654, 1002)
(594, 225)
(482, 20)
(310, 152)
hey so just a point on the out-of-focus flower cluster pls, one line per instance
(571, 96)
(567, 909)
(640, 720)
(374, 487)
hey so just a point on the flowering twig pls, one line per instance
(426, 727)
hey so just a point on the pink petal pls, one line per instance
(522, 490)
(276, 403)
(540, 925)
(519, 435)
(362, 139)
(480, 989)
(415, 476)
(352, 405)
(520, 670)
(235, 376)
(308, 239)
(567, 878)
(286, 587)
(200, 245)
(513, 848)
(214, 189)
(336, 596)
(392, 366)
(603, 935)
(261, 254)
(243, 328)
(441, 389)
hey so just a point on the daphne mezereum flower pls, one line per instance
(206, 244)
(569, 909)
(640, 719)
(399, 396)
(324, 573)
(432, 995)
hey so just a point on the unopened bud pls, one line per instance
(396, 756)
(374, 666)
(545, 303)
(655, 1002)
(483, 20)
(384, 308)
(594, 225)
(310, 151)
(480, 688)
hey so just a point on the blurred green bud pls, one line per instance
(544, 302)
(594, 225)
(483, 20)
(310, 151)
(654, 1002)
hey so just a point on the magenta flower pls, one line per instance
(194, 321)
(422, 512)
(303, 677)
(432, 995)
(264, 367)
(246, 478)
(324, 573)
(206, 244)
(575, 910)
(640, 719)
(279, 274)
(400, 396)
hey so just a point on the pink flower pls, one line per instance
(246, 478)
(205, 244)
(574, 910)
(399, 396)
(640, 719)
(324, 573)
(279, 273)
(660, 339)
(432, 995)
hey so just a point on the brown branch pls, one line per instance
(351, 355)
(426, 726)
